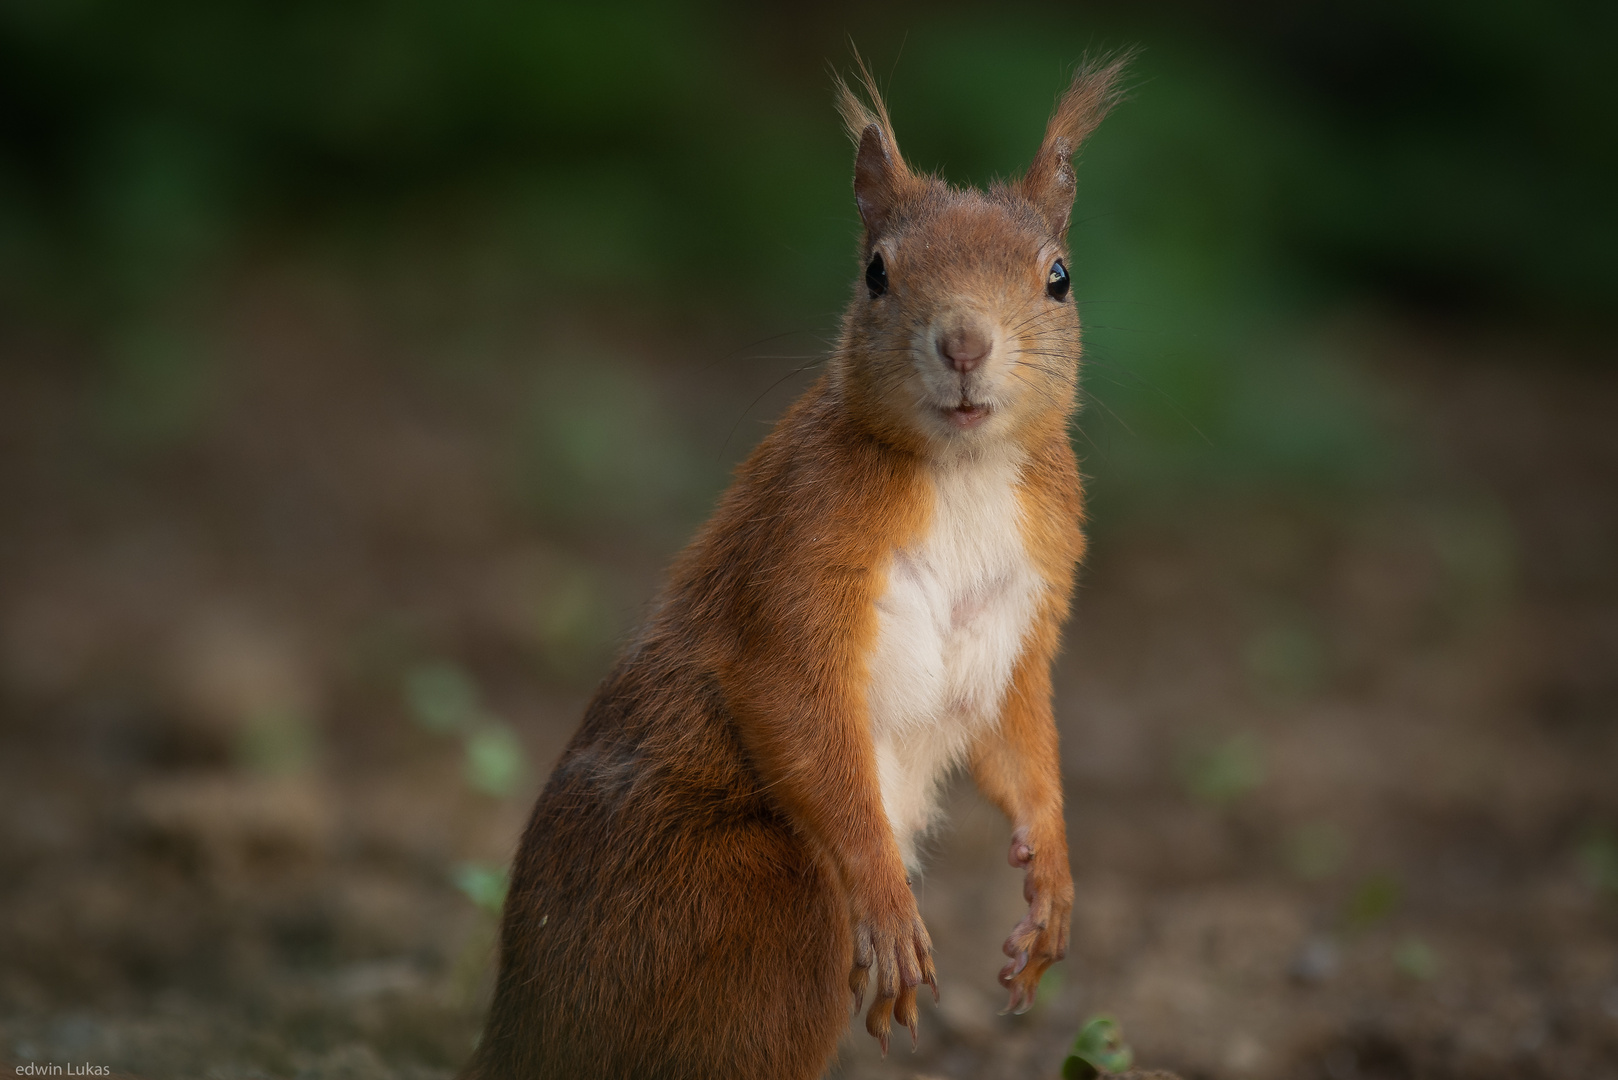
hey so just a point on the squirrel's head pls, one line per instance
(963, 330)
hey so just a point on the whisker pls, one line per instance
(1093, 396)
(763, 341)
(733, 428)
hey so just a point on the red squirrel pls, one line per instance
(720, 858)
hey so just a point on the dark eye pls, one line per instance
(1056, 282)
(876, 276)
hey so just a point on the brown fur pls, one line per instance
(709, 870)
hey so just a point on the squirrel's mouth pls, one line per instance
(966, 415)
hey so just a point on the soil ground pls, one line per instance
(1342, 772)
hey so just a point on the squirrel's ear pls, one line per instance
(880, 174)
(1050, 182)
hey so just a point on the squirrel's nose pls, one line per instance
(964, 347)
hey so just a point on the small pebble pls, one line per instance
(1316, 961)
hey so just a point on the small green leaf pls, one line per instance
(1076, 1068)
(483, 884)
(495, 762)
(1098, 1049)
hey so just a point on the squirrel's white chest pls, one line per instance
(950, 627)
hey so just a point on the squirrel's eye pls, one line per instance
(876, 276)
(1056, 282)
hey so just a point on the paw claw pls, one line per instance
(1040, 939)
(893, 956)
(904, 1011)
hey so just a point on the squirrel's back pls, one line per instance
(655, 830)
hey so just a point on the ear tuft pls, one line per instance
(880, 174)
(1050, 182)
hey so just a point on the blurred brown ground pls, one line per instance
(1337, 769)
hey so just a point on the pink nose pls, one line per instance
(964, 347)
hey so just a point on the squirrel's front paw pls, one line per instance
(1040, 939)
(891, 938)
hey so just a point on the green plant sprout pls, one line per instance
(443, 699)
(486, 886)
(1099, 1049)
(495, 763)
(483, 884)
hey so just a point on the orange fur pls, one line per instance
(710, 870)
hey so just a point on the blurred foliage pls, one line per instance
(1415, 959)
(1225, 770)
(576, 463)
(1477, 549)
(1286, 659)
(1598, 858)
(484, 885)
(495, 761)
(155, 388)
(277, 742)
(1316, 850)
(1277, 165)
(1375, 899)
(442, 698)
(1099, 1048)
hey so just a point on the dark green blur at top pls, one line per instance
(1276, 164)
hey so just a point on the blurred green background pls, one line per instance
(1278, 167)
